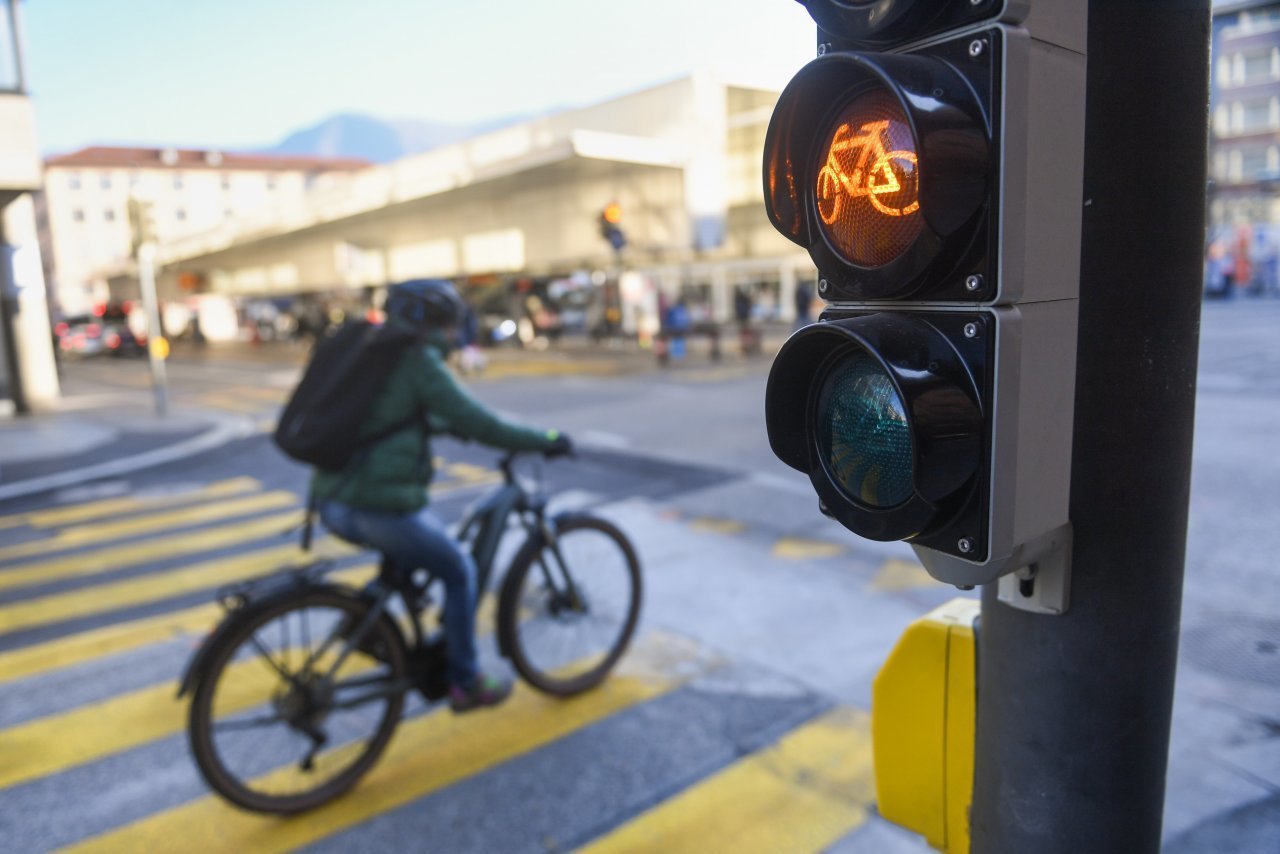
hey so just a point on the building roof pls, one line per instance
(100, 156)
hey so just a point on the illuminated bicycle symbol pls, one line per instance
(874, 176)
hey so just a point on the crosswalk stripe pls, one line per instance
(154, 587)
(802, 794)
(48, 745)
(122, 637)
(148, 551)
(47, 657)
(127, 504)
(427, 754)
(79, 535)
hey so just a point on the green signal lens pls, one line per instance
(863, 433)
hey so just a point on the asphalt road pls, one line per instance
(763, 622)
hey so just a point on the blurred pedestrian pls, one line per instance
(804, 304)
(676, 325)
(1242, 261)
(743, 306)
(1218, 269)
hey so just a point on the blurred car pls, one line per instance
(103, 334)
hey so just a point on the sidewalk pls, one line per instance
(95, 436)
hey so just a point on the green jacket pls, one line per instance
(395, 473)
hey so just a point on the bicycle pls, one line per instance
(873, 175)
(285, 736)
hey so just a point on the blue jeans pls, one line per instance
(413, 541)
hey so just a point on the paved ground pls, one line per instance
(763, 625)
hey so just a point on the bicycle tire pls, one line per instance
(549, 676)
(383, 647)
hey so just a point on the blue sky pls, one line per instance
(231, 73)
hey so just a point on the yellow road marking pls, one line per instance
(86, 646)
(149, 588)
(102, 531)
(469, 473)
(427, 754)
(133, 554)
(798, 548)
(122, 637)
(709, 525)
(896, 574)
(802, 794)
(541, 368)
(48, 745)
(115, 506)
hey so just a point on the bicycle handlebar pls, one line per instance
(507, 459)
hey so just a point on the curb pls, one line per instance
(224, 430)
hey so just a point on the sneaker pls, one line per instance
(484, 690)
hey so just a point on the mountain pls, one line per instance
(378, 140)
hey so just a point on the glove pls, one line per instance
(561, 446)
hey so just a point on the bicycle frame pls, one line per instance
(483, 526)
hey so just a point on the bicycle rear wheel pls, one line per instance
(568, 609)
(273, 727)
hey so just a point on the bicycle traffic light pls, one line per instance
(930, 161)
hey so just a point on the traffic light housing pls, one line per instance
(930, 162)
(611, 226)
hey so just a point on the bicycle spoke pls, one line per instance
(247, 723)
(576, 608)
(265, 655)
(244, 724)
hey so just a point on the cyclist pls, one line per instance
(381, 501)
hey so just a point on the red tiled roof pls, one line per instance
(101, 156)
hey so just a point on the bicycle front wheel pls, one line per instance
(569, 607)
(274, 725)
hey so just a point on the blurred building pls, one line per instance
(1244, 148)
(523, 204)
(85, 204)
(28, 374)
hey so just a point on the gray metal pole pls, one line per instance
(15, 31)
(1074, 711)
(9, 325)
(150, 304)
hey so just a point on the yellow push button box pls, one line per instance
(923, 714)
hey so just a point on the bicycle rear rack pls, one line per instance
(233, 597)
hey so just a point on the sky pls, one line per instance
(244, 73)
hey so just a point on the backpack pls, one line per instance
(346, 373)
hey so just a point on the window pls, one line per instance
(180, 215)
(1257, 66)
(104, 180)
(177, 180)
(109, 215)
(1252, 161)
(271, 182)
(77, 215)
(226, 182)
(73, 181)
(1255, 115)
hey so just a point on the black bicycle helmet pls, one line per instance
(426, 303)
